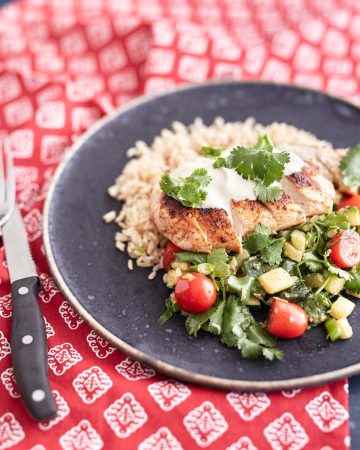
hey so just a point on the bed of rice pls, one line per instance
(133, 187)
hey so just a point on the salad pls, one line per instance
(294, 279)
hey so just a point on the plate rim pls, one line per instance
(160, 366)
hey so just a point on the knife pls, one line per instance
(28, 335)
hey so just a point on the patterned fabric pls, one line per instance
(65, 63)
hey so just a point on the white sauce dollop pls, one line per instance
(227, 184)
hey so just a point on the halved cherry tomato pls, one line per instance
(169, 254)
(286, 320)
(345, 251)
(195, 293)
(353, 200)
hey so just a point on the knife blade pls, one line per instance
(28, 334)
(18, 255)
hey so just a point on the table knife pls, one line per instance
(28, 335)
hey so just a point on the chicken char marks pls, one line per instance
(305, 194)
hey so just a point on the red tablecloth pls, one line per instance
(65, 63)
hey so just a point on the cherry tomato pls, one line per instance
(345, 251)
(169, 254)
(353, 200)
(195, 293)
(286, 320)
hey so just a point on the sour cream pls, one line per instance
(227, 184)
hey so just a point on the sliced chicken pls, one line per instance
(246, 213)
(327, 160)
(305, 194)
(194, 229)
(178, 224)
(286, 212)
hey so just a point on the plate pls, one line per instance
(122, 305)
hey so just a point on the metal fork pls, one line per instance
(7, 188)
(28, 335)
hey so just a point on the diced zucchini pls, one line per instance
(234, 265)
(353, 215)
(244, 254)
(333, 330)
(292, 253)
(341, 308)
(275, 280)
(314, 280)
(346, 331)
(334, 285)
(298, 239)
(253, 301)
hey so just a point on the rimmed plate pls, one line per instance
(124, 305)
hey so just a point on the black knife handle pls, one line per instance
(29, 349)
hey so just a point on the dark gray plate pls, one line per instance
(123, 306)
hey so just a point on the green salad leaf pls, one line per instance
(218, 258)
(258, 239)
(270, 248)
(273, 253)
(350, 167)
(188, 191)
(335, 220)
(192, 257)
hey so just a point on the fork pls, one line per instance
(7, 188)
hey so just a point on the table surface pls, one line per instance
(354, 386)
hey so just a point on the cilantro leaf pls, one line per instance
(235, 318)
(192, 257)
(249, 349)
(211, 152)
(259, 162)
(171, 308)
(336, 270)
(259, 335)
(316, 306)
(216, 319)
(353, 285)
(349, 166)
(257, 239)
(312, 262)
(335, 220)
(272, 254)
(219, 162)
(297, 292)
(219, 259)
(168, 184)
(267, 193)
(194, 322)
(188, 191)
(254, 267)
(242, 286)
(201, 177)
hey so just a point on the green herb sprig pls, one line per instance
(189, 191)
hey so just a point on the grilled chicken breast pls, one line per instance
(326, 161)
(305, 194)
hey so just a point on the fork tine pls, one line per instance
(2, 177)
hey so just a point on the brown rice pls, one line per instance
(134, 185)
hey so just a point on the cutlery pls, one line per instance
(28, 336)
